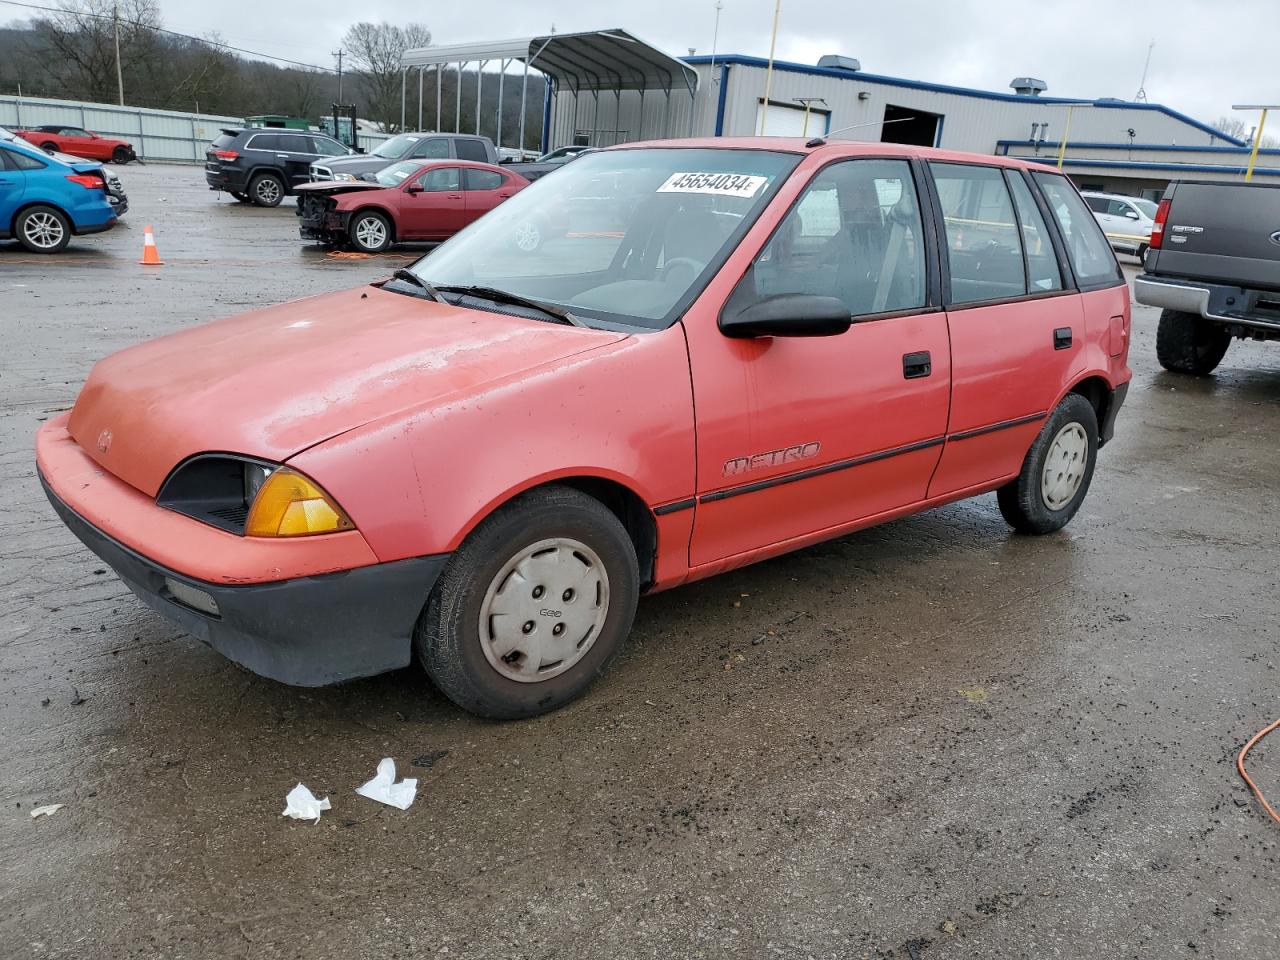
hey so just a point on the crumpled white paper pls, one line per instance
(384, 789)
(301, 804)
(46, 811)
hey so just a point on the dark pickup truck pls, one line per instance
(1214, 266)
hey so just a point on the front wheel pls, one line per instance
(120, 155)
(49, 147)
(43, 229)
(369, 232)
(1056, 472)
(1188, 343)
(532, 607)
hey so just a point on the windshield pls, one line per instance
(397, 173)
(396, 147)
(7, 134)
(1146, 206)
(624, 237)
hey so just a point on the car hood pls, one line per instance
(274, 382)
(355, 164)
(338, 186)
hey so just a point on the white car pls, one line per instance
(1127, 221)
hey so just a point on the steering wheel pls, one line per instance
(672, 267)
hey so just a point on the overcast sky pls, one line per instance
(1209, 54)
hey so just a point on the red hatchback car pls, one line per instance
(409, 200)
(56, 138)
(489, 457)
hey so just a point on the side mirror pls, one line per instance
(788, 315)
(1131, 214)
(414, 187)
(357, 149)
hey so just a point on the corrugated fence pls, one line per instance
(164, 135)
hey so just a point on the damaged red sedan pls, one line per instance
(410, 200)
(486, 459)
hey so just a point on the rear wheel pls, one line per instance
(369, 232)
(266, 190)
(1188, 343)
(1056, 472)
(532, 607)
(43, 229)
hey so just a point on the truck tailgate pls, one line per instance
(1224, 232)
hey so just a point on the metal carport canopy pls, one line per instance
(593, 61)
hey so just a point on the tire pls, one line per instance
(120, 155)
(240, 197)
(369, 232)
(266, 190)
(49, 147)
(1141, 253)
(1188, 343)
(1056, 472)
(463, 621)
(43, 229)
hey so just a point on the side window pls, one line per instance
(1123, 209)
(22, 161)
(982, 236)
(440, 179)
(328, 148)
(1090, 254)
(471, 150)
(433, 148)
(295, 143)
(855, 234)
(482, 179)
(1098, 204)
(264, 141)
(1043, 273)
(4, 160)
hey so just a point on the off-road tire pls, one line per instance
(1022, 500)
(1188, 343)
(447, 638)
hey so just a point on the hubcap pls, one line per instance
(371, 233)
(43, 230)
(544, 610)
(268, 190)
(1064, 466)
(527, 236)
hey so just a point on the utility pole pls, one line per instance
(338, 53)
(768, 74)
(115, 19)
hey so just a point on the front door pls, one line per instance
(435, 211)
(802, 436)
(1017, 330)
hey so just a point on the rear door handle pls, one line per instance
(1062, 338)
(916, 365)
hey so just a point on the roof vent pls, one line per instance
(834, 61)
(1028, 86)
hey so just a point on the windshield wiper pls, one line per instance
(503, 296)
(408, 276)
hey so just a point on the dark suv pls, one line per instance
(261, 166)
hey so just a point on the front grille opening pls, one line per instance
(237, 515)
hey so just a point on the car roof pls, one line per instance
(449, 162)
(840, 148)
(1107, 196)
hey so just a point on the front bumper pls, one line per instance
(1212, 301)
(308, 631)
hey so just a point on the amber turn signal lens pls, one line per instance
(290, 505)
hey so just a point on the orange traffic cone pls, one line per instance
(150, 255)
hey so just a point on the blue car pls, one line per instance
(44, 200)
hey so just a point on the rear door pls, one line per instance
(800, 436)
(483, 190)
(296, 153)
(436, 211)
(1017, 330)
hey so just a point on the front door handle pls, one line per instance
(916, 365)
(455, 196)
(1062, 338)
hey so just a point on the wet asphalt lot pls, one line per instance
(928, 740)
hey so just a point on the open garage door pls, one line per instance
(908, 125)
(784, 120)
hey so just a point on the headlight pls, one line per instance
(345, 177)
(287, 504)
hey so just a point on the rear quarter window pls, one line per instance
(1092, 260)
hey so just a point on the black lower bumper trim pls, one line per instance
(308, 632)
(1107, 429)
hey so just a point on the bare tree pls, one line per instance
(82, 41)
(1235, 127)
(374, 51)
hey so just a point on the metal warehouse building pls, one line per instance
(609, 87)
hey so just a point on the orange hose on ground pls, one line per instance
(1247, 779)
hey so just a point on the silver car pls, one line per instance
(1127, 221)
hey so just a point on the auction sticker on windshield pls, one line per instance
(719, 184)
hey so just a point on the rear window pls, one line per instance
(224, 141)
(471, 150)
(1090, 253)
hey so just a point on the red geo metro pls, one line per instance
(757, 344)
